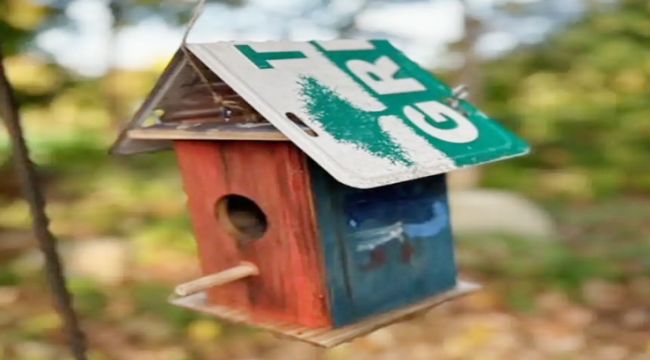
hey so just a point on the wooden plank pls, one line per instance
(208, 131)
(325, 337)
(290, 286)
(203, 173)
(385, 248)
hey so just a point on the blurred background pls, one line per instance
(560, 239)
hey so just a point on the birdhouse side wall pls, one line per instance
(290, 287)
(385, 248)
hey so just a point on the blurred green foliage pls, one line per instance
(90, 298)
(582, 99)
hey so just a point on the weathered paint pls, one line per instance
(366, 133)
(379, 118)
(384, 248)
(466, 139)
(290, 287)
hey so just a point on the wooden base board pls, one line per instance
(325, 337)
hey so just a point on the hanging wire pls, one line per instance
(226, 105)
(198, 10)
(26, 172)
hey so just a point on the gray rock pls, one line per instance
(480, 212)
(464, 179)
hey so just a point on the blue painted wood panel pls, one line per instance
(384, 248)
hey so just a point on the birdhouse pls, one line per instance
(315, 176)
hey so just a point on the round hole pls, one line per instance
(242, 217)
(301, 124)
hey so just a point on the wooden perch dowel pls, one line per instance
(243, 270)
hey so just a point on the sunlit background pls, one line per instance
(560, 239)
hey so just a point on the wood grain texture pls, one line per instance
(325, 337)
(290, 287)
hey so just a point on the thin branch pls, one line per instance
(26, 172)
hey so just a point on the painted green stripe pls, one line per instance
(261, 59)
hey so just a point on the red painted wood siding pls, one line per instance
(291, 285)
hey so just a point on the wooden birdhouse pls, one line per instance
(315, 173)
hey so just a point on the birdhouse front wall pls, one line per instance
(290, 287)
(385, 248)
